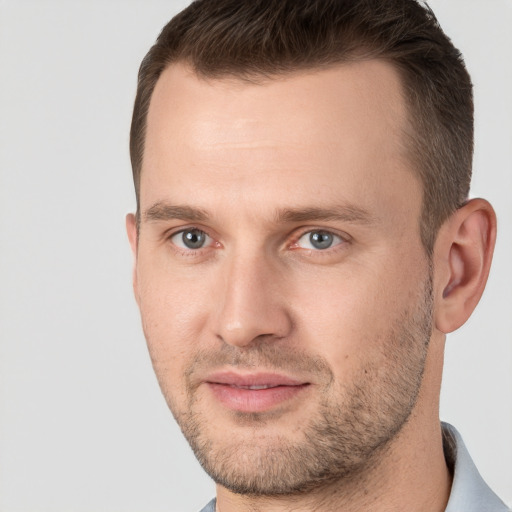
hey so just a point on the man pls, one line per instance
(303, 243)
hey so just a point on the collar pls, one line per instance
(469, 491)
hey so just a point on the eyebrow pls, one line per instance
(344, 213)
(162, 211)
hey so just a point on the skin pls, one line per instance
(361, 324)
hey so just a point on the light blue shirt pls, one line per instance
(469, 491)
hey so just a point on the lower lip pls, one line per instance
(254, 400)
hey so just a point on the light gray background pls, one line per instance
(83, 426)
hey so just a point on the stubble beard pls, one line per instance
(350, 432)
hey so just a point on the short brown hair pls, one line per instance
(255, 38)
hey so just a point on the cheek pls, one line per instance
(347, 318)
(174, 314)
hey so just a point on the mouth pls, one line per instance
(253, 393)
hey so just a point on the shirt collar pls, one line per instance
(469, 491)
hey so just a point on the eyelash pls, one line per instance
(191, 252)
(338, 240)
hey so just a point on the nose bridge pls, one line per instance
(251, 302)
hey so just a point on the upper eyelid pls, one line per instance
(168, 233)
(341, 234)
(171, 233)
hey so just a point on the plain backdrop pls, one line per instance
(83, 426)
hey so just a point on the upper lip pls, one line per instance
(249, 380)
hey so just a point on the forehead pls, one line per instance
(307, 131)
(360, 92)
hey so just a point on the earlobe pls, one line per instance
(463, 256)
(131, 230)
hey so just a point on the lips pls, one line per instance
(253, 392)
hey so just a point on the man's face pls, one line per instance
(284, 291)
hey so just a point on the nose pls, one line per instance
(252, 303)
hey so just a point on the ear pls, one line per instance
(131, 230)
(462, 259)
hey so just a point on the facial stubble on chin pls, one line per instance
(350, 429)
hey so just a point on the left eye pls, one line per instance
(318, 240)
(191, 239)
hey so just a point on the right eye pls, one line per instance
(191, 239)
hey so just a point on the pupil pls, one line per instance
(321, 240)
(193, 239)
